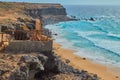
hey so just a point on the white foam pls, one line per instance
(84, 34)
(107, 44)
(94, 56)
(97, 58)
(111, 34)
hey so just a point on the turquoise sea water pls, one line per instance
(97, 40)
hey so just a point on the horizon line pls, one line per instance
(61, 3)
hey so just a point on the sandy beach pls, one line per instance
(80, 63)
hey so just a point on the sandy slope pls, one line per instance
(102, 71)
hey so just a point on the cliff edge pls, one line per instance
(48, 13)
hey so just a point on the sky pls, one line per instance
(74, 2)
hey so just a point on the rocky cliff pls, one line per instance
(48, 13)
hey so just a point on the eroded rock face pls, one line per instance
(40, 66)
(32, 62)
(46, 11)
(42, 58)
(28, 67)
(48, 14)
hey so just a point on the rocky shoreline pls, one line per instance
(36, 65)
(40, 66)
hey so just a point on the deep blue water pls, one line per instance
(97, 40)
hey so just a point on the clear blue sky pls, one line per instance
(77, 2)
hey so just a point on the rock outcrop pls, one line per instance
(39, 66)
(48, 13)
(28, 67)
(46, 66)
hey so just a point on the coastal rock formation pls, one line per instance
(39, 66)
(50, 13)
(28, 67)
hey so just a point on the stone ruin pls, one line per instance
(26, 39)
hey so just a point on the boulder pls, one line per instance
(92, 19)
(28, 67)
(42, 58)
(19, 75)
(67, 61)
(32, 62)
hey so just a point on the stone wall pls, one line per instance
(29, 46)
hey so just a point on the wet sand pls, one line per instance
(77, 62)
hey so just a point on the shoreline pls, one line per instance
(78, 62)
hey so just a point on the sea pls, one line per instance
(97, 40)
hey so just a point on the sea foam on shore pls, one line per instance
(96, 34)
(88, 41)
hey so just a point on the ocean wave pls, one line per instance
(92, 40)
(86, 42)
(115, 35)
(104, 36)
